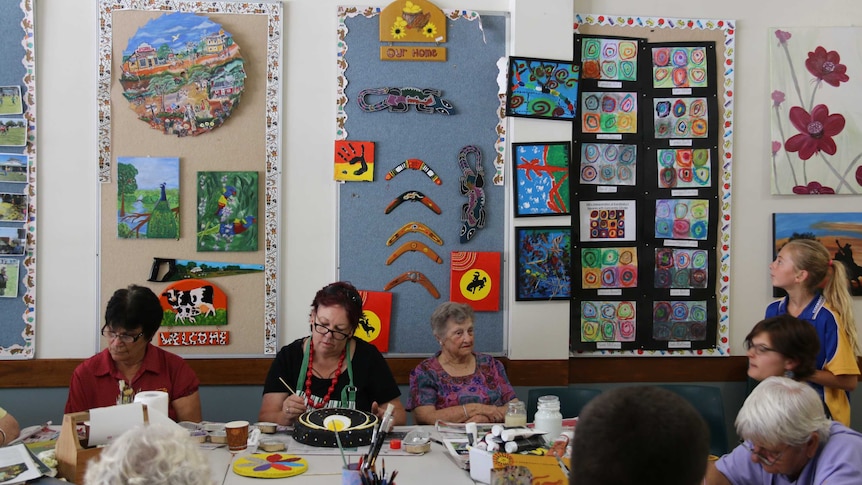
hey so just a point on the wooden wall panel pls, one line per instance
(585, 370)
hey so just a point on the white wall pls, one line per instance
(67, 246)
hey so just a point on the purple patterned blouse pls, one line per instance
(431, 385)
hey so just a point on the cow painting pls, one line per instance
(193, 302)
(190, 303)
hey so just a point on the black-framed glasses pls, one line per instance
(759, 349)
(336, 334)
(122, 337)
(766, 457)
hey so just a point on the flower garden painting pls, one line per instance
(816, 111)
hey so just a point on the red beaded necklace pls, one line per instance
(308, 376)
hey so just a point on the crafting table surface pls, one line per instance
(324, 465)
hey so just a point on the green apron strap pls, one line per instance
(300, 380)
(348, 393)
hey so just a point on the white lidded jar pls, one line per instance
(548, 417)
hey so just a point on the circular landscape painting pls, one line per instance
(182, 74)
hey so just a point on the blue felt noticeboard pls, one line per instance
(468, 79)
(17, 314)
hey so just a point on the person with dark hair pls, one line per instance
(330, 368)
(782, 346)
(131, 364)
(788, 440)
(458, 384)
(639, 435)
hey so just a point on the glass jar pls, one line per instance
(548, 418)
(516, 415)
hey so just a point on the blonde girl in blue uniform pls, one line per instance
(817, 292)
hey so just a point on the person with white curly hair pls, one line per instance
(788, 440)
(150, 455)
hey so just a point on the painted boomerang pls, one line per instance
(413, 196)
(414, 226)
(414, 246)
(413, 277)
(414, 164)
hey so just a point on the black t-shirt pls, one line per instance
(371, 375)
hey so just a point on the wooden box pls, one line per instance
(72, 457)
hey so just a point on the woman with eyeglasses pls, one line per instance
(788, 440)
(131, 364)
(458, 384)
(782, 346)
(330, 368)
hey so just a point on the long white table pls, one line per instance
(326, 468)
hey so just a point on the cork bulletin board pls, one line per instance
(246, 142)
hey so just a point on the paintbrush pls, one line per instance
(285, 385)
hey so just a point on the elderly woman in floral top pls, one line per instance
(457, 384)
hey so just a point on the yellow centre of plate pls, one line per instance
(336, 422)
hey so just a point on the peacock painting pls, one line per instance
(148, 197)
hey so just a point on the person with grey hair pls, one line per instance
(788, 440)
(150, 455)
(458, 384)
(639, 435)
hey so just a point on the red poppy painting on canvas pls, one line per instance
(816, 75)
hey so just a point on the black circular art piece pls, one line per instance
(316, 428)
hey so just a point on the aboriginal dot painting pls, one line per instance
(681, 268)
(542, 88)
(608, 163)
(681, 219)
(542, 178)
(684, 168)
(678, 67)
(679, 320)
(608, 321)
(680, 117)
(609, 267)
(610, 59)
(609, 112)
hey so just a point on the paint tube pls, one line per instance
(525, 444)
(512, 434)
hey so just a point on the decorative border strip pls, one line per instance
(273, 11)
(345, 12)
(728, 28)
